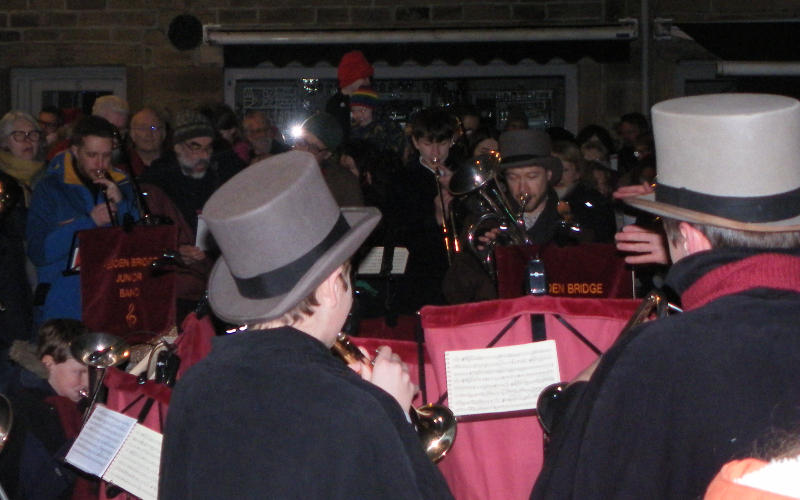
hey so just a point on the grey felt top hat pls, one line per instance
(728, 160)
(281, 234)
(529, 148)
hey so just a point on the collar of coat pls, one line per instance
(71, 175)
(736, 270)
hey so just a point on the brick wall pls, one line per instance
(54, 33)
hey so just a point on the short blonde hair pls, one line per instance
(307, 306)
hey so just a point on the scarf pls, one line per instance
(710, 275)
(22, 170)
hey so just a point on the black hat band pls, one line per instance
(280, 281)
(755, 209)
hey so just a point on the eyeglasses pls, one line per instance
(196, 148)
(156, 129)
(20, 135)
(304, 145)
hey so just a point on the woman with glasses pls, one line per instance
(21, 163)
(21, 148)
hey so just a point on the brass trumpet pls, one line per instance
(435, 424)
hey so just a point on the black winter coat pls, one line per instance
(677, 398)
(272, 414)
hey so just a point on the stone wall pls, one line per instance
(132, 33)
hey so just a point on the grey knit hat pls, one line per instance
(189, 124)
(326, 128)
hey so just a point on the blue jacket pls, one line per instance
(59, 208)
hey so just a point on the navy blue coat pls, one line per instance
(677, 398)
(272, 414)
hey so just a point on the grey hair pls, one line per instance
(7, 125)
(722, 237)
(110, 103)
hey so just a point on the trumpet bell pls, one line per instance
(100, 350)
(474, 173)
(6, 418)
(436, 427)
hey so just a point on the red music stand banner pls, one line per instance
(589, 270)
(119, 293)
(500, 455)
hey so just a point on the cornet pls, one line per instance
(436, 424)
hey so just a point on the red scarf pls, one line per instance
(767, 270)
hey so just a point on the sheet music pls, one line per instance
(136, 467)
(374, 258)
(204, 240)
(500, 379)
(100, 440)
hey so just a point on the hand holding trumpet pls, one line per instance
(390, 374)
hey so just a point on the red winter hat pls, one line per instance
(352, 67)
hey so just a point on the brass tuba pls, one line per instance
(436, 424)
(478, 177)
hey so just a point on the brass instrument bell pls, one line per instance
(435, 424)
(99, 351)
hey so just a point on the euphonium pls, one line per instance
(436, 424)
(478, 176)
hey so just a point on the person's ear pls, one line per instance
(414, 141)
(693, 240)
(327, 291)
(549, 174)
(74, 150)
(48, 361)
(176, 148)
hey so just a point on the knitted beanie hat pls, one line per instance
(189, 124)
(364, 96)
(326, 128)
(352, 67)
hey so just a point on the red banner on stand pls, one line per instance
(589, 270)
(119, 292)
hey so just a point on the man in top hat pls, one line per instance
(270, 413)
(676, 398)
(530, 172)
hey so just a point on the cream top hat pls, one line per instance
(727, 160)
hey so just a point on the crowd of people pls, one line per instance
(359, 180)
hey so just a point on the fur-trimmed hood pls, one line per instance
(24, 354)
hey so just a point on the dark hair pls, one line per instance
(481, 134)
(54, 110)
(434, 124)
(92, 125)
(55, 335)
(221, 116)
(560, 134)
(602, 134)
(722, 237)
(637, 119)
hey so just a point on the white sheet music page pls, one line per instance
(371, 263)
(100, 440)
(135, 469)
(500, 379)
